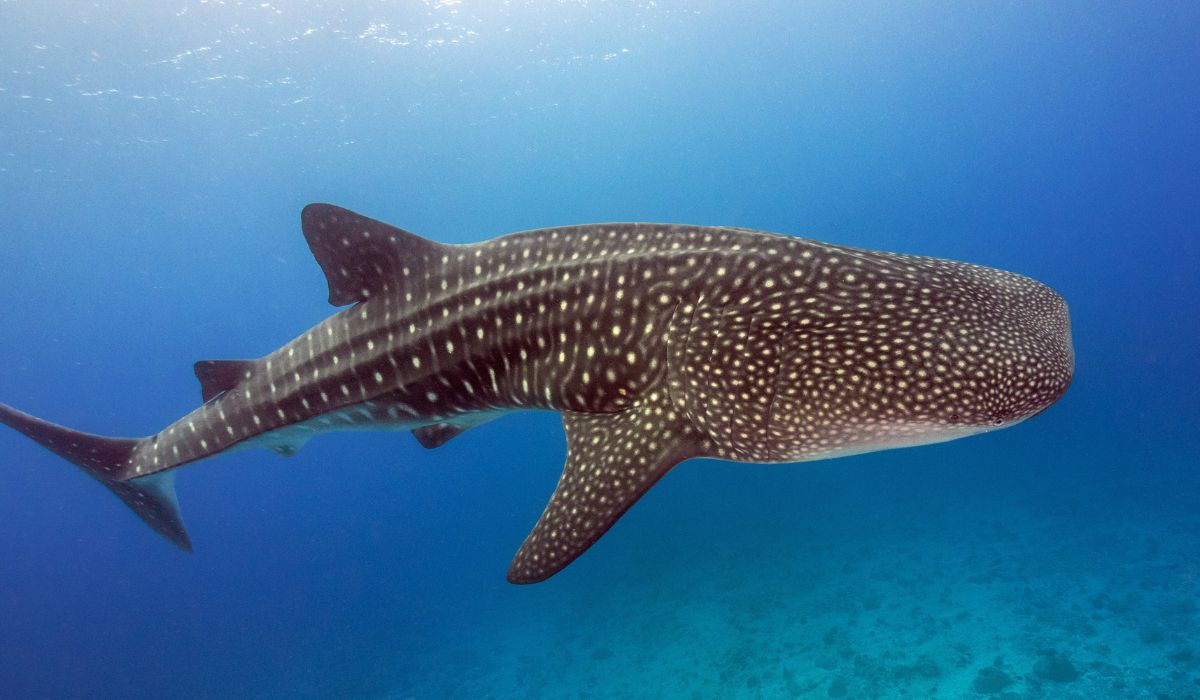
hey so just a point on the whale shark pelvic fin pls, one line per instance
(437, 434)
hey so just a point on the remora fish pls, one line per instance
(657, 343)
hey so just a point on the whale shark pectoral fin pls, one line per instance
(362, 257)
(612, 459)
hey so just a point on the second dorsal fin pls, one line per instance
(362, 257)
(219, 376)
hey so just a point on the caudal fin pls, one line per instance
(151, 497)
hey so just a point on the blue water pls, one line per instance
(155, 159)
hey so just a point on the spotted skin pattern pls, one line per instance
(657, 343)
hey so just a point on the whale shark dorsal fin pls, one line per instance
(218, 376)
(612, 459)
(362, 257)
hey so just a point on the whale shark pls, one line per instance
(657, 343)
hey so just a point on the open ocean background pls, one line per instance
(154, 158)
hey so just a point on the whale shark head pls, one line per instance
(910, 351)
(1028, 361)
(1006, 352)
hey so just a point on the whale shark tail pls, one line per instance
(151, 497)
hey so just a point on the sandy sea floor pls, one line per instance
(1026, 605)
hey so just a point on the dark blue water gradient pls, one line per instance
(155, 160)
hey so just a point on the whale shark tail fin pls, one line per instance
(106, 460)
